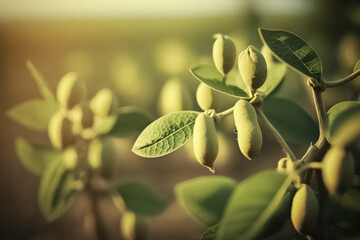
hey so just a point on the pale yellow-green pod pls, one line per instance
(104, 103)
(71, 90)
(70, 158)
(338, 170)
(248, 129)
(132, 227)
(304, 210)
(205, 141)
(174, 97)
(252, 67)
(205, 97)
(224, 53)
(60, 131)
(101, 155)
(82, 117)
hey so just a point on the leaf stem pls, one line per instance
(276, 134)
(342, 81)
(320, 111)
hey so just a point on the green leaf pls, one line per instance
(333, 113)
(213, 78)
(211, 233)
(140, 199)
(292, 122)
(293, 50)
(344, 129)
(349, 200)
(257, 208)
(55, 190)
(40, 81)
(165, 134)
(34, 158)
(130, 121)
(357, 66)
(34, 114)
(276, 74)
(205, 198)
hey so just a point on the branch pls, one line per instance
(342, 81)
(276, 134)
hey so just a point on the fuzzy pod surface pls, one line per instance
(60, 131)
(224, 53)
(252, 67)
(205, 141)
(248, 129)
(205, 97)
(338, 170)
(71, 90)
(304, 210)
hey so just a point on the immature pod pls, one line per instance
(204, 97)
(268, 55)
(252, 67)
(71, 90)
(205, 141)
(224, 53)
(70, 158)
(82, 116)
(248, 129)
(304, 210)
(104, 103)
(60, 131)
(101, 155)
(338, 170)
(174, 96)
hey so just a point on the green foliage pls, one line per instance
(56, 188)
(340, 122)
(213, 78)
(140, 199)
(293, 123)
(210, 233)
(34, 158)
(34, 114)
(205, 198)
(275, 75)
(293, 50)
(40, 81)
(255, 209)
(165, 134)
(130, 121)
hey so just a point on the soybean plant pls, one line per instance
(82, 155)
(257, 207)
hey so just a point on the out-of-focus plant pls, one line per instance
(257, 207)
(82, 155)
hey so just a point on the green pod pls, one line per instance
(174, 97)
(268, 55)
(338, 170)
(205, 141)
(204, 97)
(82, 117)
(252, 67)
(104, 103)
(60, 131)
(248, 129)
(304, 210)
(101, 155)
(224, 53)
(71, 90)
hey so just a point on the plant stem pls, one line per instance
(276, 134)
(226, 113)
(342, 81)
(94, 197)
(320, 111)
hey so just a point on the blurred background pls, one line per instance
(134, 47)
